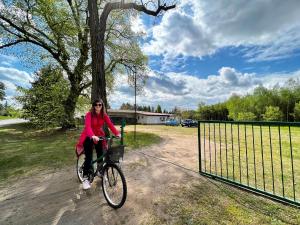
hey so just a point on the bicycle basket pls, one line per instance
(115, 153)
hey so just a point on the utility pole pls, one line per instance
(135, 120)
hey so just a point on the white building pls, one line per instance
(142, 117)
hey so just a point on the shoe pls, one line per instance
(86, 184)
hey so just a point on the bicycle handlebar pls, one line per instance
(108, 138)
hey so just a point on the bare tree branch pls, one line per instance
(13, 43)
(141, 8)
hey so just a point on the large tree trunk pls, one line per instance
(69, 107)
(97, 45)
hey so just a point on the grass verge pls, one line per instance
(6, 118)
(25, 150)
(206, 202)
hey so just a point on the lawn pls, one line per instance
(25, 150)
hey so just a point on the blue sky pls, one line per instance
(205, 51)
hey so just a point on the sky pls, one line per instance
(204, 51)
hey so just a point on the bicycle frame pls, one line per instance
(109, 144)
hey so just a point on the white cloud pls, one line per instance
(268, 29)
(7, 60)
(12, 77)
(137, 25)
(179, 34)
(15, 75)
(187, 91)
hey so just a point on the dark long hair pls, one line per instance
(93, 111)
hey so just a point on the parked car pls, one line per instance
(172, 122)
(189, 123)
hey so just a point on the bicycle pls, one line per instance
(112, 178)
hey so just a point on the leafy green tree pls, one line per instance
(83, 105)
(212, 112)
(59, 29)
(2, 97)
(234, 106)
(287, 102)
(127, 106)
(176, 111)
(2, 91)
(187, 114)
(158, 109)
(273, 113)
(297, 112)
(246, 116)
(43, 102)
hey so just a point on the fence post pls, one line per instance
(199, 146)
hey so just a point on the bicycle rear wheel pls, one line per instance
(114, 186)
(79, 167)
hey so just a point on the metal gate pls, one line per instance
(263, 157)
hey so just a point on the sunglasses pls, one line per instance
(98, 104)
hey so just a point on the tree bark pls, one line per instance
(97, 45)
(69, 107)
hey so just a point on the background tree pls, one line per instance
(2, 91)
(158, 109)
(212, 112)
(42, 103)
(58, 28)
(246, 116)
(297, 112)
(261, 98)
(288, 96)
(2, 97)
(234, 104)
(189, 114)
(273, 113)
(127, 106)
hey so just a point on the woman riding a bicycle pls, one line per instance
(94, 121)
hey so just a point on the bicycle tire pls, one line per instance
(113, 175)
(79, 167)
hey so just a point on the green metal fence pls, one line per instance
(263, 157)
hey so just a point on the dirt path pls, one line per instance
(11, 121)
(58, 198)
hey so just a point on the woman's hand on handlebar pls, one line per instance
(95, 138)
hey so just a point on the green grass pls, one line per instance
(6, 117)
(207, 202)
(25, 150)
(142, 140)
(253, 165)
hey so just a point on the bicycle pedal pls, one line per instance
(99, 174)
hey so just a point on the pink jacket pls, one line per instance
(94, 127)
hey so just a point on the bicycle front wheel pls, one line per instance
(114, 186)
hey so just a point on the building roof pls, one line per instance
(120, 111)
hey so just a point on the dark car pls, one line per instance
(189, 123)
